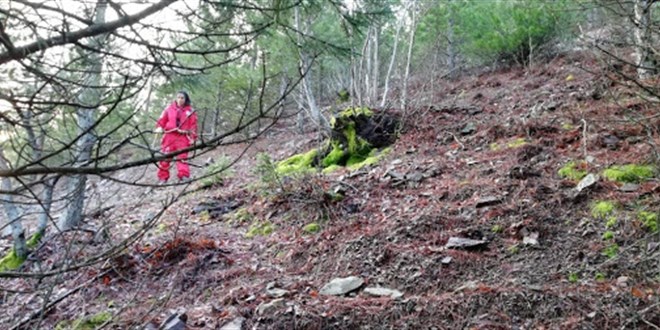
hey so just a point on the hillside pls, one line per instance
(477, 159)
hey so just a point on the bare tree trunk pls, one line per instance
(306, 82)
(643, 52)
(373, 96)
(12, 212)
(451, 43)
(389, 68)
(411, 41)
(90, 96)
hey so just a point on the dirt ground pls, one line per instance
(478, 158)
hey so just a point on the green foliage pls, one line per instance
(611, 251)
(497, 229)
(649, 219)
(629, 173)
(312, 228)
(10, 261)
(216, 173)
(608, 235)
(508, 31)
(259, 229)
(88, 323)
(602, 209)
(600, 277)
(573, 170)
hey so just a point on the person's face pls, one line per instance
(180, 100)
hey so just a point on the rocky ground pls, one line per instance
(464, 224)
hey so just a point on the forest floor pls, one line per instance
(478, 159)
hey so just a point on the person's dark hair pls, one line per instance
(185, 95)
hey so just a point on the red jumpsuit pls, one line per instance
(185, 119)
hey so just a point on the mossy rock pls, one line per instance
(629, 173)
(10, 261)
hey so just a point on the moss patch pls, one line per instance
(519, 142)
(601, 209)
(649, 219)
(34, 240)
(88, 323)
(260, 229)
(10, 261)
(312, 228)
(573, 170)
(629, 173)
(300, 163)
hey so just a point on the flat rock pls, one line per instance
(383, 292)
(488, 201)
(629, 187)
(340, 286)
(266, 307)
(459, 242)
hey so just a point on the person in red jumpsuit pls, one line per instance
(179, 123)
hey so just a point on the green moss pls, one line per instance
(494, 146)
(312, 228)
(332, 168)
(567, 126)
(573, 277)
(600, 277)
(611, 222)
(519, 142)
(611, 251)
(10, 261)
(335, 156)
(649, 219)
(34, 239)
(300, 163)
(88, 323)
(572, 170)
(608, 235)
(260, 229)
(629, 173)
(602, 209)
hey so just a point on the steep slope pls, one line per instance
(478, 159)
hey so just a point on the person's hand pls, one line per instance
(158, 130)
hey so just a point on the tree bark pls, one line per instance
(90, 96)
(643, 50)
(411, 41)
(12, 212)
(389, 68)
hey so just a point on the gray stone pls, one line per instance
(446, 260)
(264, 308)
(340, 286)
(235, 324)
(459, 242)
(277, 292)
(468, 129)
(173, 322)
(586, 182)
(629, 187)
(488, 201)
(383, 292)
